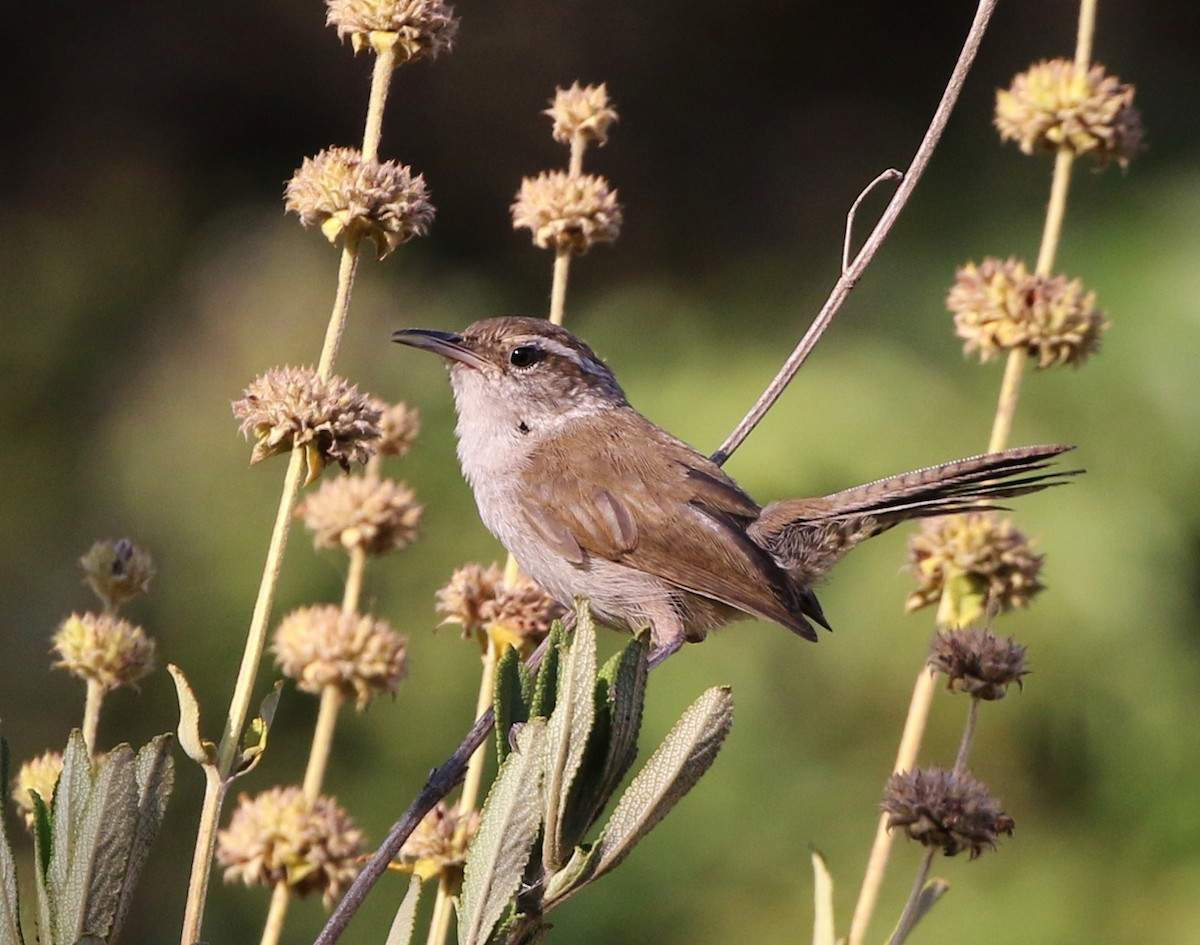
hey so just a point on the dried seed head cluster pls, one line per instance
(399, 425)
(415, 28)
(321, 646)
(103, 648)
(1054, 106)
(438, 847)
(974, 561)
(117, 571)
(340, 191)
(377, 515)
(978, 662)
(582, 111)
(940, 808)
(280, 837)
(999, 306)
(565, 213)
(41, 775)
(478, 599)
(288, 407)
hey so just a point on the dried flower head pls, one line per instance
(39, 775)
(438, 847)
(398, 429)
(103, 648)
(289, 407)
(377, 515)
(1054, 106)
(117, 571)
(415, 28)
(567, 213)
(321, 646)
(970, 562)
(999, 306)
(280, 837)
(479, 599)
(582, 111)
(978, 662)
(940, 808)
(342, 192)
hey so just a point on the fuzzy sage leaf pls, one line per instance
(10, 903)
(674, 768)
(508, 827)
(567, 733)
(511, 698)
(406, 916)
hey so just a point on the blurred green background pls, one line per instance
(148, 273)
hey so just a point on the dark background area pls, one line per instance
(147, 273)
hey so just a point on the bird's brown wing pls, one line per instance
(584, 506)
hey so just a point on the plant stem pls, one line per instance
(439, 922)
(281, 895)
(906, 757)
(318, 755)
(558, 287)
(215, 787)
(347, 267)
(905, 925)
(854, 271)
(91, 714)
(381, 81)
(968, 735)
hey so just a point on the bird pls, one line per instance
(596, 501)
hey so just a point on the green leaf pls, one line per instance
(254, 739)
(612, 746)
(10, 902)
(508, 826)
(41, 854)
(195, 746)
(154, 774)
(674, 768)
(510, 699)
(567, 733)
(823, 930)
(545, 689)
(93, 825)
(406, 916)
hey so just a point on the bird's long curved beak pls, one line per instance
(445, 343)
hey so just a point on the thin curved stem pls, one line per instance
(968, 737)
(322, 742)
(281, 897)
(381, 81)
(854, 271)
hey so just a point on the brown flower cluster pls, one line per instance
(438, 847)
(479, 599)
(582, 111)
(279, 837)
(399, 425)
(377, 515)
(999, 306)
(117, 571)
(104, 649)
(415, 28)
(970, 562)
(342, 192)
(978, 662)
(567, 213)
(294, 407)
(945, 809)
(1054, 106)
(322, 646)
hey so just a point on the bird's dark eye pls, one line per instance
(526, 355)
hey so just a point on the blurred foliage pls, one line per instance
(147, 275)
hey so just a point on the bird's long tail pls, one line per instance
(808, 536)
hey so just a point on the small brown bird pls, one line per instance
(596, 501)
